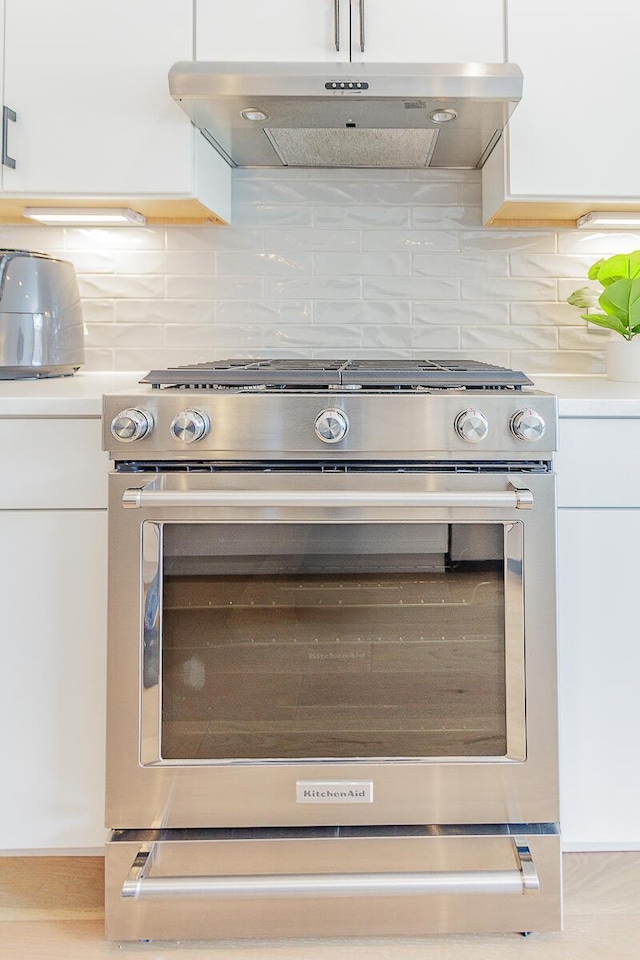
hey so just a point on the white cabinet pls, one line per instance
(428, 31)
(572, 140)
(94, 118)
(599, 670)
(272, 30)
(335, 30)
(53, 600)
(599, 648)
(53, 574)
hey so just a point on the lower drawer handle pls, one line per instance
(524, 879)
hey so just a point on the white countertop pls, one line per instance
(76, 396)
(81, 395)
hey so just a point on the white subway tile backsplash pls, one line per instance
(267, 264)
(395, 337)
(99, 311)
(411, 288)
(509, 338)
(297, 191)
(202, 238)
(99, 359)
(567, 287)
(357, 312)
(440, 338)
(310, 239)
(313, 288)
(550, 264)
(559, 361)
(269, 214)
(460, 313)
(175, 263)
(362, 264)
(467, 265)
(363, 215)
(213, 288)
(413, 193)
(114, 238)
(411, 241)
(556, 314)
(49, 240)
(588, 337)
(314, 337)
(92, 261)
(471, 193)
(163, 311)
(373, 264)
(245, 336)
(509, 241)
(263, 311)
(446, 218)
(598, 243)
(125, 335)
(114, 285)
(490, 288)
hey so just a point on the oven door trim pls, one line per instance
(195, 795)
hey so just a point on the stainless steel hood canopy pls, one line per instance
(349, 115)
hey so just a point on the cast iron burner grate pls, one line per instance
(339, 375)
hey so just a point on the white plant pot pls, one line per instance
(623, 360)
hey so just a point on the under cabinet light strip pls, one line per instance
(85, 216)
(602, 218)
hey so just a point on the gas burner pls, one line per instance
(310, 375)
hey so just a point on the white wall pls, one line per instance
(330, 263)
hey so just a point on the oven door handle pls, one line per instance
(518, 498)
(523, 879)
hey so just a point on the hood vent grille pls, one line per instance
(353, 147)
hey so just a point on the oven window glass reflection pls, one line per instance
(302, 641)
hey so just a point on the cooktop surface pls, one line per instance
(281, 374)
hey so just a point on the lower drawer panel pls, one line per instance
(334, 881)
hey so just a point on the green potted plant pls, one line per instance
(619, 305)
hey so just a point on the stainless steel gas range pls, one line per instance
(332, 656)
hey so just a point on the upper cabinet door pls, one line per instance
(574, 135)
(88, 83)
(428, 31)
(272, 30)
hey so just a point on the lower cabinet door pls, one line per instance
(53, 593)
(599, 670)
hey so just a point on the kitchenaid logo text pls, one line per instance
(349, 655)
(339, 791)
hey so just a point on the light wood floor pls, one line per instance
(51, 909)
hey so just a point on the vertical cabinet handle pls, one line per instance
(7, 114)
(361, 5)
(336, 23)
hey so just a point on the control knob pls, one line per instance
(189, 426)
(131, 424)
(471, 425)
(331, 426)
(528, 425)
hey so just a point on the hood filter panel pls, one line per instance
(353, 146)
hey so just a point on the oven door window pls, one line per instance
(345, 641)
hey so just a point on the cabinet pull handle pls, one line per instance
(336, 23)
(361, 5)
(523, 880)
(7, 114)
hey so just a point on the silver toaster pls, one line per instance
(41, 327)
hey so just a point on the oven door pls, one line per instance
(308, 648)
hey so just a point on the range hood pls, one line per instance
(393, 115)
